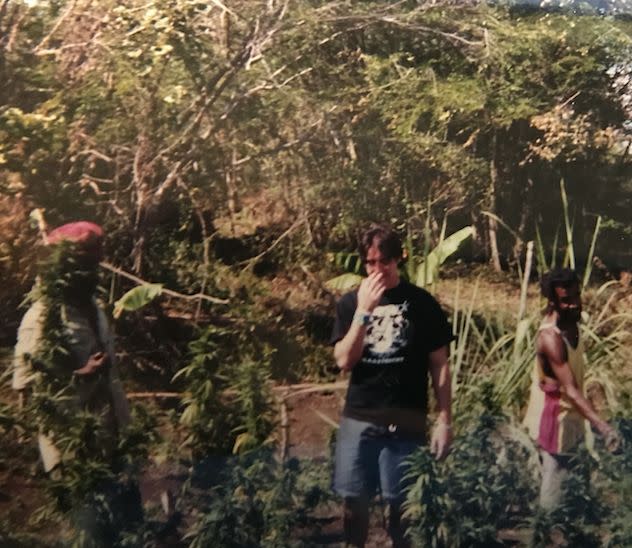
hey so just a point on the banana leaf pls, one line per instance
(136, 298)
(344, 282)
(439, 254)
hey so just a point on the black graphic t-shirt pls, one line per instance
(404, 328)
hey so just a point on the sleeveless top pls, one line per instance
(551, 419)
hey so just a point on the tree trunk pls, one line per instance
(226, 32)
(524, 217)
(231, 192)
(492, 226)
(140, 188)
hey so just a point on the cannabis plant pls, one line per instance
(93, 484)
(581, 511)
(258, 502)
(227, 403)
(428, 507)
(482, 487)
(206, 415)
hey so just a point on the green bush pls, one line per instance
(483, 486)
(259, 502)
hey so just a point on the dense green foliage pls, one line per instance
(168, 118)
(260, 502)
(228, 148)
(94, 480)
(217, 422)
(489, 482)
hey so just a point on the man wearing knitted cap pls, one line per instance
(65, 295)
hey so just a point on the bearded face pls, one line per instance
(568, 303)
(83, 279)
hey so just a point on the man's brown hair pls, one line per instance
(385, 238)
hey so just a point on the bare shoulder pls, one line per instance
(550, 345)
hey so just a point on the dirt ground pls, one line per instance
(313, 418)
(311, 422)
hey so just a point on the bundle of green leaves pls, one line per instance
(479, 490)
(260, 501)
(93, 484)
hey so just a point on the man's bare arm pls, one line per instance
(551, 347)
(442, 386)
(348, 350)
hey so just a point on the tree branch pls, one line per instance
(253, 260)
(58, 23)
(168, 292)
(287, 390)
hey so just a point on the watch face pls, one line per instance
(362, 319)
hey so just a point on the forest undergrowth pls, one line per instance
(221, 439)
(233, 151)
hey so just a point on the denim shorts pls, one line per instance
(368, 456)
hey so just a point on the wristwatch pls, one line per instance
(362, 318)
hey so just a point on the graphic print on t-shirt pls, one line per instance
(386, 334)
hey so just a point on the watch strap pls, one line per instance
(362, 317)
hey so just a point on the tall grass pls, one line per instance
(569, 260)
(491, 362)
(569, 257)
(484, 351)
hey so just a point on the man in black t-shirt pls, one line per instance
(390, 334)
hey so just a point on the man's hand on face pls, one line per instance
(371, 291)
(441, 440)
(96, 363)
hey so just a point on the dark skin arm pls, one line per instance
(96, 363)
(552, 352)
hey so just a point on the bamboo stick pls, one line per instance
(290, 390)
